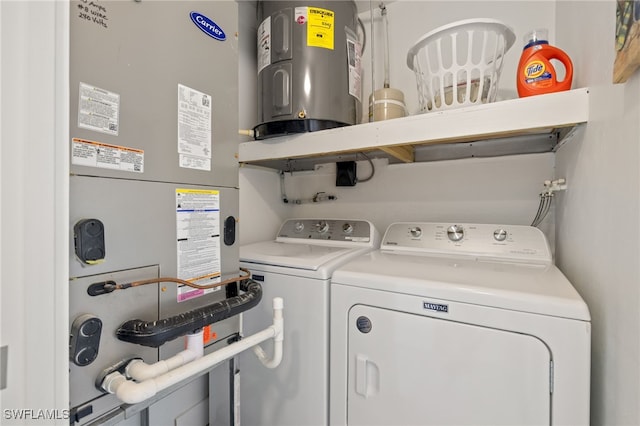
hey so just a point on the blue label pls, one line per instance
(435, 307)
(257, 277)
(207, 26)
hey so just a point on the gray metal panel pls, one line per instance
(194, 397)
(140, 229)
(281, 42)
(112, 309)
(140, 223)
(145, 51)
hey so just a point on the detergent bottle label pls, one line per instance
(536, 71)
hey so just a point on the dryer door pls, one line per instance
(407, 369)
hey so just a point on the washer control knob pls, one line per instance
(416, 232)
(500, 234)
(322, 227)
(455, 232)
(298, 227)
(347, 228)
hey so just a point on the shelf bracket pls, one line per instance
(404, 153)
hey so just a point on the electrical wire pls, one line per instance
(373, 169)
(111, 287)
(383, 12)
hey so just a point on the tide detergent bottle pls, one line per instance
(536, 74)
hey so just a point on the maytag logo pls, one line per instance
(435, 307)
(207, 26)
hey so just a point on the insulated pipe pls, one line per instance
(140, 371)
(157, 333)
(132, 392)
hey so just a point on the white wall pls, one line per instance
(598, 230)
(477, 190)
(261, 210)
(34, 200)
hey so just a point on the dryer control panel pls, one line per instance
(516, 243)
(333, 230)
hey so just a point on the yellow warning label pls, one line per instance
(197, 191)
(320, 28)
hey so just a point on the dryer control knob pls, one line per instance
(347, 228)
(499, 235)
(455, 232)
(415, 232)
(298, 227)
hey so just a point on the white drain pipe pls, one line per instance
(140, 371)
(132, 392)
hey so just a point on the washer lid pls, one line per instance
(516, 286)
(299, 256)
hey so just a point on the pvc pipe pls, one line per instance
(278, 321)
(140, 371)
(132, 392)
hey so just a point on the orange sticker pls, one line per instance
(209, 335)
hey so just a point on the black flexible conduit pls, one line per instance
(157, 333)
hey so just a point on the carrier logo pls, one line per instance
(435, 307)
(207, 26)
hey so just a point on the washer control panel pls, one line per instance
(327, 229)
(500, 242)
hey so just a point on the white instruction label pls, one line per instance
(264, 44)
(98, 109)
(355, 65)
(194, 128)
(198, 240)
(106, 156)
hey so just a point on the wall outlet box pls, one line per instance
(346, 173)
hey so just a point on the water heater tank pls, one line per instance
(309, 73)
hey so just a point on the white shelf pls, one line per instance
(543, 114)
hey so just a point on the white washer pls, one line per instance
(458, 325)
(297, 266)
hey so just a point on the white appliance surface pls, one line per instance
(297, 266)
(317, 258)
(458, 325)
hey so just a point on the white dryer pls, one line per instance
(458, 325)
(296, 266)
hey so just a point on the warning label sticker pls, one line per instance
(264, 44)
(106, 156)
(198, 240)
(98, 109)
(355, 65)
(194, 128)
(320, 28)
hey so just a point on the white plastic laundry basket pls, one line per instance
(459, 64)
